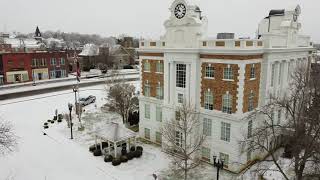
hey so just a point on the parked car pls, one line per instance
(88, 100)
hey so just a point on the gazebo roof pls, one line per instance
(114, 132)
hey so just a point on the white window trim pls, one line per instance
(144, 70)
(227, 79)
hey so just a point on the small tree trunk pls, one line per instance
(185, 172)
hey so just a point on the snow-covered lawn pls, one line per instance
(56, 157)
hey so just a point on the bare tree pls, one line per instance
(182, 138)
(122, 100)
(7, 138)
(298, 133)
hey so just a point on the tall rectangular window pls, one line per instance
(43, 62)
(225, 131)
(251, 102)
(207, 126)
(159, 67)
(181, 76)
(52, 74)
(227, 103)
(178, 139)
(205, 154)
(249, 129)
(252, 72)
(147, 133)
(180, 98)
(280, 73)
(209, 72)
(34, 62)
(225, 158)
(146, 66)
(147, 90)
(63, 73)
(159, 92)
(272, 74)
(62, 61)
(178, 116)
(227, 73)
(208, 100)
(147, 111)
(159, 114)
(53, 61)
(158, 137)
(279, 117)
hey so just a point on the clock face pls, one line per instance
(180, 11)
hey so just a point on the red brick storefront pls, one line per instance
(25, 67)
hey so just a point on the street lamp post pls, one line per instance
(70, 110)
(218, 164)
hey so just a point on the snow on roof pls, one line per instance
(90, 50)
(114, 132)
(17, 43)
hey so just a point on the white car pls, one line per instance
(88, 100)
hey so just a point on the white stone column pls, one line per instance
(172, 83)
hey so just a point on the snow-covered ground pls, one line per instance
(55, 156)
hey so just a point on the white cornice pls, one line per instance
(226, 51)
(285, 50)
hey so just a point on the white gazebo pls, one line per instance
(115, 135)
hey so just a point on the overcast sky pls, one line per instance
(144, 18)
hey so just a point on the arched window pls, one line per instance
(227, 103)
(208, 100)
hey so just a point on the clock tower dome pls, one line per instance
(185, 26)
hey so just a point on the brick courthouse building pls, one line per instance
(224, 79)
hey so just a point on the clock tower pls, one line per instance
(185, 25)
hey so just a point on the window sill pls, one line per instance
(209, 78)
(230, 80)
(251, 79)
(159, 72)
(147, 71)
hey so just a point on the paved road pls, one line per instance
(12, 95)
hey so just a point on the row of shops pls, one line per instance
(21, 67)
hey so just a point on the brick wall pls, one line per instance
(218, 86)
(152, 77)
(251, 85)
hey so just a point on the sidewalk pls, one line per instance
(58, 86)
(71, 77)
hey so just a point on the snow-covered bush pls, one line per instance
(124, 159)
(97, 152)
(116, 161)
(130, 155)
(108, 158)
(133, 148)
(139, 148)
(124, 151)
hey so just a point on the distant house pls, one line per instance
(120, 56)
(26, 44)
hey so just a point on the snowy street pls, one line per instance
(55, 156)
